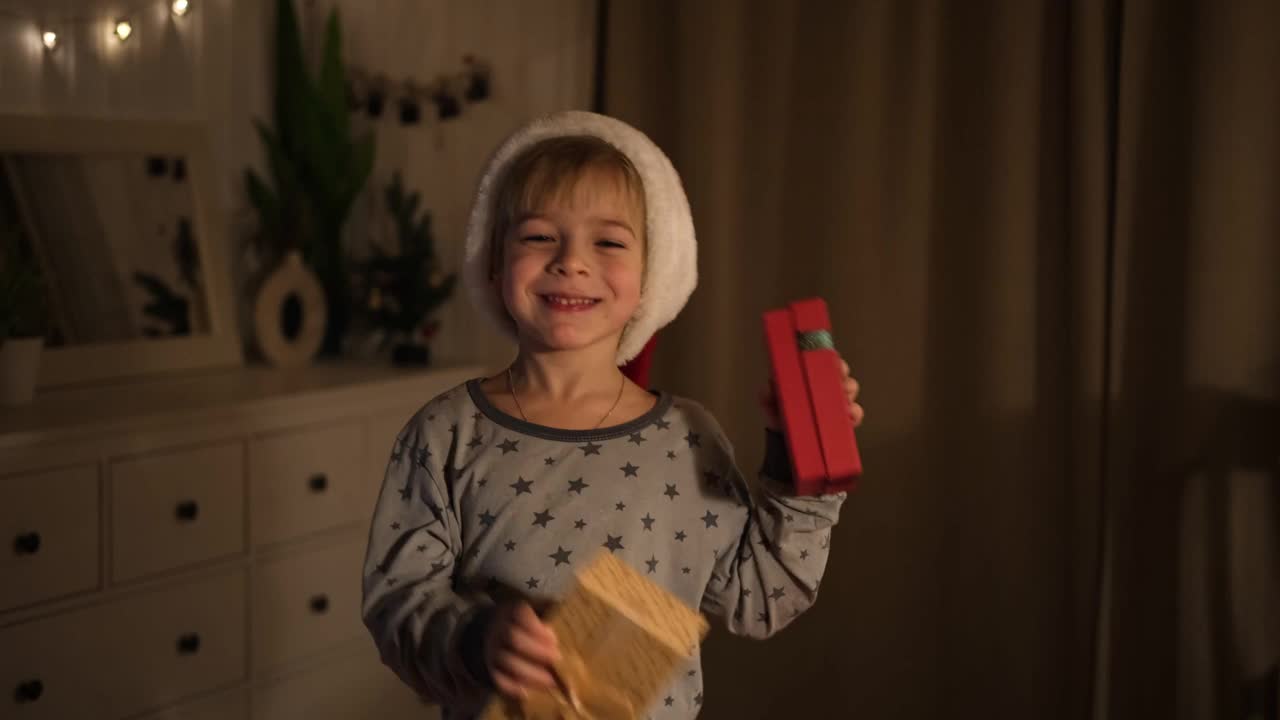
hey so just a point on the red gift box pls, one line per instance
(809, 384)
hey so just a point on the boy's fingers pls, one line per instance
(857, 413)
(508, 686)
(524, 673)
(844, 366)
(526, 619)
(533, 647)
(851, 388)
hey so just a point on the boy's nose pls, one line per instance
(568, 261)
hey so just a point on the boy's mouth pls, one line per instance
(565, 303)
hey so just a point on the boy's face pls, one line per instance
(572, 269)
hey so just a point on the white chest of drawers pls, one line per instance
(190, 547)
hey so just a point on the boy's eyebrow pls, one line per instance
(603, 221)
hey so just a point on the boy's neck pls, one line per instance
(565, 377)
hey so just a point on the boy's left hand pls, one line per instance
(769, 401)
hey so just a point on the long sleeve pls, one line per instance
(771, 572)
(411, 607)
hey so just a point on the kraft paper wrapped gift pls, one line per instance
(621, 639)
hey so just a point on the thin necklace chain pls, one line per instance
(512, 386)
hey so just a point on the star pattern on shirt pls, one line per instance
(421, 455)
(668, 700)
(542, 518)
(690, 474)
(395, 526)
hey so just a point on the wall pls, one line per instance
(213, 67)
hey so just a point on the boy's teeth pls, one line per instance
(569, 301)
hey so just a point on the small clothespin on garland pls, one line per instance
(370, 92)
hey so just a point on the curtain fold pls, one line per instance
(1048, 235)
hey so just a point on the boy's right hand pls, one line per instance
(520, 650)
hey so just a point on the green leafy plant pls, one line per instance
(165, 305)
(403, 289)
(317, 166)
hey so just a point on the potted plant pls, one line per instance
(22, 322)
(317, 169)
(401, 290)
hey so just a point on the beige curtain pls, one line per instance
(1047, 233)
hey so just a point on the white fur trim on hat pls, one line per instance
(671, 259)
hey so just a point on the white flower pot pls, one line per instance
(19, 367)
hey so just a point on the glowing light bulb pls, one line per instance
(124, 29)
(50, 39)
(181, 7)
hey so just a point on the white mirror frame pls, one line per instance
(221, 346)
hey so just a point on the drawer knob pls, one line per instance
(319, 482)
(29, 691)
(319, 604)
(188, 510)
(189, 644)
(27, 543)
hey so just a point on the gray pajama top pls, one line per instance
(478, 506)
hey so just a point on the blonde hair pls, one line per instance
(548, 171)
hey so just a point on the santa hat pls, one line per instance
(671, 256)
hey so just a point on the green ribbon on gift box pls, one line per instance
(815, 340)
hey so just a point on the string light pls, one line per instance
(122, 27)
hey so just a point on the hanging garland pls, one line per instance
(371, 93)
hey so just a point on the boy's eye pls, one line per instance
(538, 238)
(610, 243)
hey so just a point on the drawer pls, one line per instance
(306, 480)
(176, 508)
(356, 685)
(127, 656)
(306, 603)
(49, 527)
(230, 705)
